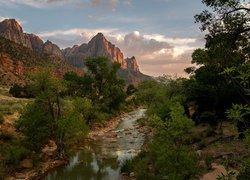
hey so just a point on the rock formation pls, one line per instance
(98, 46)
(11, 29)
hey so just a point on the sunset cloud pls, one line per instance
(36, 3)
(169, 54)
(48, 3)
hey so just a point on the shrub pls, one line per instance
(16, 108)
(1, 118)
(244, 175)
(15, 152)
(6, 136)
(127, 166)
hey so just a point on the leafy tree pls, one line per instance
(49, 117)
(215, 84)
(100, 84)
(169, 153)
(131, 89)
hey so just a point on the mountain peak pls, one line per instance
(99, 37)
(10, 24)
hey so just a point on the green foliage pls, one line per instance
(222, 77)
(169, 152)
(85, 107)
(245, 175)
(127, 166)
(6, 136)
(238, 112)
(172, 158)
(35, 124)
(1, 118)
(21, 91)
(49, 116)
(131, 89)
(14, 152)
(100, 84)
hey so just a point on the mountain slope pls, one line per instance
(16, 61)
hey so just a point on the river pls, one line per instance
(103, 157)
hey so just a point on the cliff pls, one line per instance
(11, 29)
(100, 46)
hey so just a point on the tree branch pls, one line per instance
(238, 9)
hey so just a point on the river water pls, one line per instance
(102, 158)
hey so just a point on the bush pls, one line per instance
(15, 152)
(22, 91)
(6, 136)
(1, 118)
(127, 166)
(16, 108)
(244, 175)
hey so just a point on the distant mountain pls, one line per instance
(21, 53)
(100, 46)
(36, 51)
(11, 29)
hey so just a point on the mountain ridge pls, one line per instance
(75, 56)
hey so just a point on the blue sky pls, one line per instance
(161, 34)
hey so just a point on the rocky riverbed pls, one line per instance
(104, 150)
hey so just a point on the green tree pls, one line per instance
(108, 89)
(226, 53)
(49, 116)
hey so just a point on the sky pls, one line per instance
(161, 34)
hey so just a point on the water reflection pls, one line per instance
(102, 158)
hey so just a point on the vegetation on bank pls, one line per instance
(60, 111)
(215, 97)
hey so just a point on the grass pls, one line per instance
(4, 90)
(10, 105)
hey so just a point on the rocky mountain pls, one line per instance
(100, 46)
(11, 29)
(17, 60)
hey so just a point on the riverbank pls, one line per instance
(29, 170)
(104, 151)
